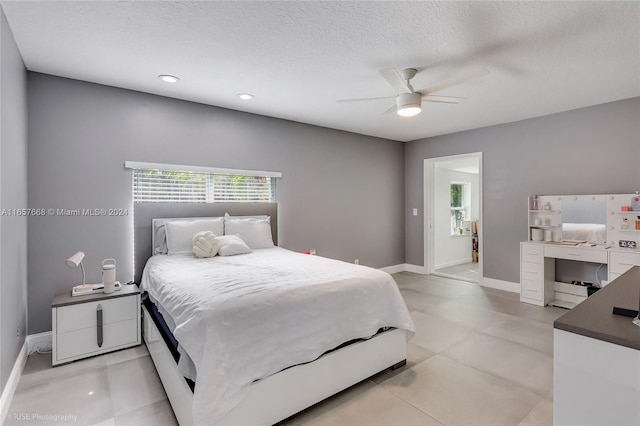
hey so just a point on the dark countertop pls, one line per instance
(594, 318)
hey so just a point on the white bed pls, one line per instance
(242, 321)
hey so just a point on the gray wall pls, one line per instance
(341, 193)
(13, 195)
(593, 150)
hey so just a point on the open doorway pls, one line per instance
(453, 222)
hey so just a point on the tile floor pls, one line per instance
(465, 271)
(119, 388)
(479, 357)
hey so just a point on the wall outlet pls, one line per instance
(357, 261)
(415, 212)
(18, 333)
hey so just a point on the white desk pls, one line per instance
(537, 266)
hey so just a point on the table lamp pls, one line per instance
(76, 260)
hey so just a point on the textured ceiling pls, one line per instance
(298, 58)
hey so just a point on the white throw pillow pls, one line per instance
(205, 244)
(180, 233)
(256, 233)
(231, 245)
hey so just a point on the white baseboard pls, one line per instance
(393, 269)
(32, 343)
(10, 388)
(415, 269)
(485, 282)
(38, 341)
(454, 263)
(404, 267)
(500, 285)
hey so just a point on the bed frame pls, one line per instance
(280, 395)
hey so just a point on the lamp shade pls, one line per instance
(75, 260)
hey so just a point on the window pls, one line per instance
(176, 184)
(460, 200)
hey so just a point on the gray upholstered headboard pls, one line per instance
(144, 212)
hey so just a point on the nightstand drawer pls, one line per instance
(531, 272)
(532, 253)
(84, 342)
(84, 315)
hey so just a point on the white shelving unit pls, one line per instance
(548, 217)
(615, 216)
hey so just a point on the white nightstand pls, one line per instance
(84, 326)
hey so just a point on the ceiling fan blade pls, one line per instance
(391, 110)
(395, 80)
(444, 99)
(342, 101)
(455, 80)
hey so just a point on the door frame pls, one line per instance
(429, 209)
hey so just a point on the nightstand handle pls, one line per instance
(99, 325)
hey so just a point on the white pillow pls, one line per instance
(180, 233)
(256, 233)
(227, 216)
(231, 245)
(160, 240)
(205, 244)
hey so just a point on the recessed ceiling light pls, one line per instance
(245, 96)
(168, 78)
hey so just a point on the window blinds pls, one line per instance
(181, 186)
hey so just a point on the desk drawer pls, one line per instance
(532, 289)
(576, 253)
(612, 276)
(620, 262)
(532, 253)
(531, 272)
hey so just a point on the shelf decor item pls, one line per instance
(109, 275)
(627, 244)
(534, 203)
(537, 234)
(635, 202)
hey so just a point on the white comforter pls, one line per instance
(243, 318)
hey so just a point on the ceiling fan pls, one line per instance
(408, 100)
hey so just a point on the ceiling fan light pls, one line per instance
(409, 104)
(168, 78)
(409, 111)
